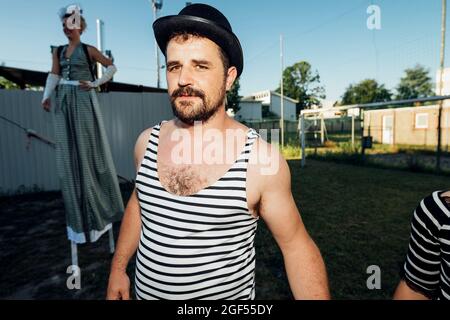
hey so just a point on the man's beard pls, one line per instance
(185, 109)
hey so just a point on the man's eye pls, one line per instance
(174, 68)
(201, 67)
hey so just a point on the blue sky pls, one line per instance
(330, 34)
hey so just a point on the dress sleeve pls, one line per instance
(421, 270)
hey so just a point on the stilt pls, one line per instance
(111, 240)
(73, 248)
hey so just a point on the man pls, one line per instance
(426, 271)
(192, 218)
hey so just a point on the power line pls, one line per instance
(26, 61)
(47, 63)
(337, 17)
(275, 43)
(332, 19)
(272, 45)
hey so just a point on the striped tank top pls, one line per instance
(199, 246)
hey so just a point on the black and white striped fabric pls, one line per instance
(199, 246)
(427, 265)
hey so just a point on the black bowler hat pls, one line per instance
(205, 21)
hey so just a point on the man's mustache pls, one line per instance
(189, 91)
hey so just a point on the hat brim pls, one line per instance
(164, 27)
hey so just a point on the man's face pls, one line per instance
(196, 79)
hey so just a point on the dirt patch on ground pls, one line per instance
(412, 161)
(35, 254)
(35, 251)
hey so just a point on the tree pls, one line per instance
(6, 84)
(233, 96)
(415, 84)
(366, 91)
(302, 84)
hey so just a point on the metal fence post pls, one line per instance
(302, 139)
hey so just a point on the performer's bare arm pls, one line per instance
(127, 244)
(97, 56)
(303, 262)
(55, 62)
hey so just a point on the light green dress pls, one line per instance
(85, 166)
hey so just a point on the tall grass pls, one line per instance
(291, 151)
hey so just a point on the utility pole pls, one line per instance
(302, 138)
(282, 96)
(100, 44)
(441, 84)
(157, 5)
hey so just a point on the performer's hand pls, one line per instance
(118, 286)
(46, 104)
(86, 85)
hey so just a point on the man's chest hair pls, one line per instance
(183, 180)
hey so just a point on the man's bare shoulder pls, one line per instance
(141, 145)
(232, 124)
(144, 136)
(265, 153)
(268, 165)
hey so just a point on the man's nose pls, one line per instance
(185, 78)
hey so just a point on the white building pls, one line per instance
(249, 110)
(271, 101)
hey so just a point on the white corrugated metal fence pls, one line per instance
(29, 164)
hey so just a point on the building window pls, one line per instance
(422, 121)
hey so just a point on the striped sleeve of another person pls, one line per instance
(427, 265)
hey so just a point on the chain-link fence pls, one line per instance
(390, 136)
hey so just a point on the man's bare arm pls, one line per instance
(404, 292)
(303, 262)
(127, 244)
(128, 236)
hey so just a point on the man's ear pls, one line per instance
(231, 77)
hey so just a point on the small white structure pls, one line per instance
(230, 113)
(446, 84)
(272, 100)
(327, 110)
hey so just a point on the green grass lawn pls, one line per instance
(358, 216)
